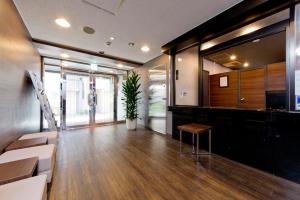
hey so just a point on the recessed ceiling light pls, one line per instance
(246, 64)
(179, 59)
(88, 30)
(64, 55)
(111, 71)
(145, 48)
(119, 65)
(131, 44)
(62, 22)
(94, 67)
(108, 43)
(111, 38)
(232, 57)
(257, 40)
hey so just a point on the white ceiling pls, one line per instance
(144, 22)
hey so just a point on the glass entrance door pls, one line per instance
(76, 94)
(105, 91)
(89, 99)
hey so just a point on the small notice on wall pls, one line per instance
(224, 81)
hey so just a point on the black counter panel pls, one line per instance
(267, 140)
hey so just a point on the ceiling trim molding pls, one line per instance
(93, 53)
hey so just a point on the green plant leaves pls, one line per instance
(130, 89)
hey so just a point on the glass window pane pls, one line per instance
(52, 89)
(121, 115)
(186, 80)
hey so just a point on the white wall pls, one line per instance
(187, 64)
(214, 68)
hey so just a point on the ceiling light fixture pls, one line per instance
(246, 64)
(232, 57)
(64, 55)
(94, 67)
(179, 59)
(207, 45)
(111, 38)
(257, 40)
(249, 30)
(63, 23)
(131, 44)
(145, 48)
(119, 65)
(108, 43)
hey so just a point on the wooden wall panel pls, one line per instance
(19, 107)
(224, 97)
(252, 89)
(276, 77)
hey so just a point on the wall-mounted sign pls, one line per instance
(223, 81)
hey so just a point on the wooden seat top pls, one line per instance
(194, 128)
(21, 144)
(17, 170)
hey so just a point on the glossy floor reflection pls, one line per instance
(113, 163)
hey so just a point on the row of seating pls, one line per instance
(34, 188)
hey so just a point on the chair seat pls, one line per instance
(52, 136)
(45, 153)
(34, 188)
(194, 128)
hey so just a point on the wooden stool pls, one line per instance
(195, 129)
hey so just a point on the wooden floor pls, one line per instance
(113, 163)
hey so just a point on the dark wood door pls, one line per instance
(252, 89)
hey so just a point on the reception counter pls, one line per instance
(265, 139)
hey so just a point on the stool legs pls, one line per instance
(180, 139)
(209, 141)
(193, 143)
(197, 148)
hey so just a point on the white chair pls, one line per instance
(52, 136)
(34, 188)
(45, 153)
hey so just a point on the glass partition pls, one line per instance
(187, 77)
(251, 75)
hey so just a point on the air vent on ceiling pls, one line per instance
(232, 64)
(108, 6)
(220, 58)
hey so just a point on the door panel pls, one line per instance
(77, 108)
(157, 99)
(252, 89)
(104, 87)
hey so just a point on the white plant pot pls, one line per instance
(131, 124)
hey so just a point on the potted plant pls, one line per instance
(130, 89)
